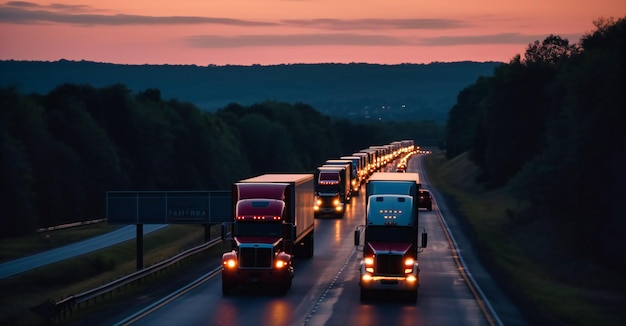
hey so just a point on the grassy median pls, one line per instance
(54, 282)
(551, 285)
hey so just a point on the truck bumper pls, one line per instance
(330, 210)
(369, 281)
(388, 283)
(261, 277)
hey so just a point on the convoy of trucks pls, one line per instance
(274, 217)
(273, 222)
(390, 248)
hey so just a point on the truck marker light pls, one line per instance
(366, 277)
(411, 279)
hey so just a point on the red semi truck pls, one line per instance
(390, 249)
(273, 223)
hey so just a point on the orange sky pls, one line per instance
(245, 32)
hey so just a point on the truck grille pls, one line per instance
(255, 257)
(389, 264)
(327, 201)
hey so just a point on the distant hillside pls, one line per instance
(356, 91)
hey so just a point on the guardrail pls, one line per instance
(71, 225)
(60, 310)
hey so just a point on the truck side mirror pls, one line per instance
(357, 237)
(424, 239)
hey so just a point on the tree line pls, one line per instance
(549, 127)
(61, 152)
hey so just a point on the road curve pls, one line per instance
(24, 264)
(326, 291)
(505, 312)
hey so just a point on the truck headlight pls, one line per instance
(336, 202)
(409, 262)
(280, 264)
(230, 263)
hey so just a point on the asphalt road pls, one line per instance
(326, 292)
(24, 264)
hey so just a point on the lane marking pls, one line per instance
(479, 295)
(167, 299)
(328, 288)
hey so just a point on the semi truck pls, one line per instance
(358, 163)
(273, 222)
(364, 165)
(353, 173)
(390, 249)
(332, 190)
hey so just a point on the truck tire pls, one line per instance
(227, 288)
(285, 288)
(412, 295)
(309, 246)
(364, 295)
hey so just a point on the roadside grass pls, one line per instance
(54, 282)
(552, 286)
(17, 247)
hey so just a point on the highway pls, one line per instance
(326, 291)
(24, 264)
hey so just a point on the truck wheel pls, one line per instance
(430, 208)
(310, 246)
(227, 288)
(364, 295)
(284, 288)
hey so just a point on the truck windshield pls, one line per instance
(390, 234)
(256, 229)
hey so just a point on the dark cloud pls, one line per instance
(55, 6)
(376, 24)
(19, 12)
(217, 41)
(23, 12)
(501, 38)
(22, 4)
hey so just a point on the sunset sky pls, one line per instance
(245, 32)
